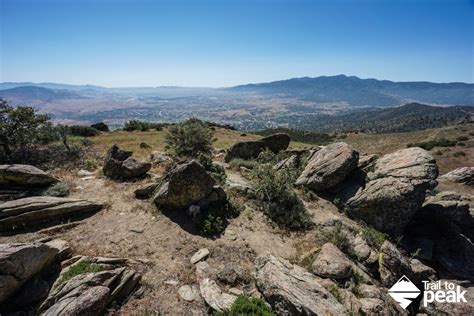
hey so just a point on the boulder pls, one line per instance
(12, 176)
(101, 126)
(119, 164)
(19, 263)
(32, 210)
(332, 263)
(89, 293)
(251, 149)
(146, 191)
(461, 175)
(392, 264)
(395, 190)
(329, 167)
(277, 142)
(213, 295)
(185, 184)
(388, 204)
(291, 290)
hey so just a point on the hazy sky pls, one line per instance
(224, 42)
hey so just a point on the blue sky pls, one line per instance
(224, 42)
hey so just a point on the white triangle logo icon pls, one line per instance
(404, 292)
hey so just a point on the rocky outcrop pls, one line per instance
(442, 233)
(24, 176)
(32, 210)
(186, 184)
(332, 263)
(291, 290)
(329, 167)
(89, 293)
(101, 126)
(19, 263)
(251, 149)
(461, 175)
(395, 190)
(119, 164)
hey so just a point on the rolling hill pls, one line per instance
(365, 92)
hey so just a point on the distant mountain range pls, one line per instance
(350, 90)
(365, 92)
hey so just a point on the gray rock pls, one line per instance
(19, 263)
(146, 191)
(31, 210)
(119, 164)
(157, 157)
(388, 204)
(291, 290)
(366, 161)
(392, 264)
(24, 176)
(186, 184)
(396, 190)
(84, 173)
(189, 292)
(329, 167)
(332, 263)
(201, 254)
(462, 175)
(251, 149)
(413, 163)
(214, 296)
(89, 293)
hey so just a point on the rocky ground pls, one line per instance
(333, 268)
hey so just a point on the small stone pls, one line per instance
(236, 291)
(84, 173)
(172, 282)
(189, 292)
(201, 254)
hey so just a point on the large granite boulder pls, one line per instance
(19, 263)
(395, 190)
(185, 184)
(329, 167)
(332, 263)
(462, 175)
(24, 176)
(251, 149)
(89, 293)
(291, 290)
(32, 210)
(119, 164)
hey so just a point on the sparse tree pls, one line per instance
(19, 126)
(189, 138)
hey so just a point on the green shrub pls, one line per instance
(372, 236)
(237, 163)
(82, 267)
(90, 164)
(459, 154)
(462, 138)
(428, 145)
(84, 131)
(338, 237)
(144, 146)
(189, 138)
(217, 171)
(59, 189)
(214, 220)
(136, 125)
(244, 305)
(278, 200)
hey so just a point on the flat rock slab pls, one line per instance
(24, 176)
(31, 210)
(201, 254)
(291, 290)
